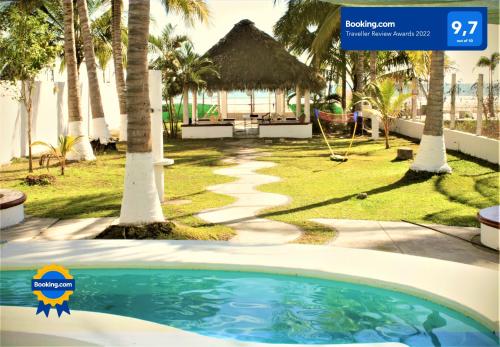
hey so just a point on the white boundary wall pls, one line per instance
(476, 146)
(50, 115)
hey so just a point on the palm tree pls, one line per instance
(116, 33)
(101, 131)
(165, 49)
(83, 150)
(431, 156)
(193, 68)
(65, 145)
(140, 204)
(189, 9)
(491, 63)
(385, 97)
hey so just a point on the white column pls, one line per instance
(279, 102)
(414, 96)
(453, 98)
(269, 98)
(223, 105)
(298, 102)
(479, 118)
(219, 111)
(185, 106)
(375, 126)
(194, 106)
(307, 105)
(157, 130)
(283, 101)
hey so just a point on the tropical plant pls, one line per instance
(165, 51)
(101, 131)
(491, 63)
(140, 204)
(193, 69)
(65, 144)
(190, 10)
(431, 156)
(26, 47)
(384, 96)
(75, 120)
(420, 62)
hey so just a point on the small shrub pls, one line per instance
(39, 180)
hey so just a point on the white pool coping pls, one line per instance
(469, 289)
(21, 327)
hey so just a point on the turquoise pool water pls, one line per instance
(261, 307)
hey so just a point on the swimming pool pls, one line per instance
(261, 307)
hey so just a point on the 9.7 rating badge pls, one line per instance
(465, 28)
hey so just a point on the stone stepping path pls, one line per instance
(241, 215)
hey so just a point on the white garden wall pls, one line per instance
(50, 115)
(477, 146)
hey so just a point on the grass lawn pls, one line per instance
(321, 188)
(318, 187)
(94, 189)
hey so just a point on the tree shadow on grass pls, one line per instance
(448, 217)
(409, 178)
(479, 187)
(81, 206)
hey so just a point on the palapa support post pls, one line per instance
(453, 100)
(194, 106)
(479, 118)
(414, 97)
(298, 102)
(307, 106)
(223, 104)
(185, 106)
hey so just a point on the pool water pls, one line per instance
(261, 307)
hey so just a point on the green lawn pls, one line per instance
(94, 189)
(319, 187)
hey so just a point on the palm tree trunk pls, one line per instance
(359, 67)
(140, 204)
(26, 97)
(116, 32)
(344, 80)
(431, 156)
(373, 66)
(82, 150)
(491, 103)
(100, 127)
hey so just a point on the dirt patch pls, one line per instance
(39, 180)
(153, 231)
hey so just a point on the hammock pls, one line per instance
(333, 156)
(336, 118)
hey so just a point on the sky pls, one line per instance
(264, 13)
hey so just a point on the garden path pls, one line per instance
(241, 215)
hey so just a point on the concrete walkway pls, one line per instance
(240, 215)
(407, 238)
(53, 229)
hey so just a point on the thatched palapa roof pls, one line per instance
(248, 58)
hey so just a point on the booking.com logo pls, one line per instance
(367, 24)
